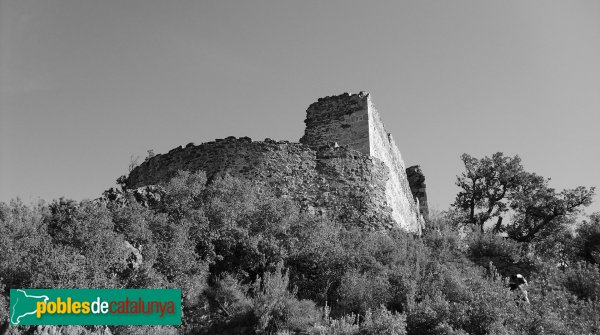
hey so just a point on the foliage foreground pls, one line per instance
(249, 262)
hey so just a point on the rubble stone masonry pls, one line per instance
(346, 165)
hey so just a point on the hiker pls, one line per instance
(518, 282)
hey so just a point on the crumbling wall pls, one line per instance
(332, 181)
(352, 120)
(416, 180)
(343, 119)
(346, 165)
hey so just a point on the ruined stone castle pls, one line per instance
(346, 166)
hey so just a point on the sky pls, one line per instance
(86, 87)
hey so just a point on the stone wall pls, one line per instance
(346, 165)
(399, 196)
(352, 120)
(337, 182)
(343, 119)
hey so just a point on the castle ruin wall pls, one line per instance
(342, 119)
(334, 182)
(346, 166)
(398, 193)
(353, 121)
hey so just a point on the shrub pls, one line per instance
(588, 239)
(493, 246)
(236, 235)
(345, 325)
(143, 330)
(583, 280)
(361, 292)
(228, 298)
(78, 224)
(319, 261)
(383, 322)
(427, 315)
(507, 256)
(300, 315)
(276, 308)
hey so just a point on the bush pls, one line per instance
(276, 308)
(300, 315)
(588, 240)
(506, 255)
(143, 330)
(362, 292)
(583, 280)
(427, 315)
(493, 246)
(319, 261)
(226, 244)
(345, 325)
(383, 322)
(228, 297)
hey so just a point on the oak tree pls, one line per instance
(485, 185)
(540, 210)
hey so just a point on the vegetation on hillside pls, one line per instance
(249, 262)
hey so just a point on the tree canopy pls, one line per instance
(492, 187)
(485, 186)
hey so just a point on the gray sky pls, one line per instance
(84, 84)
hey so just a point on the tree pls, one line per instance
(485, 186)
(490, 187)
(540, 210)
(588, 239)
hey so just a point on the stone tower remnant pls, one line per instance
(352, 120)
(416, 180)
(346, 165)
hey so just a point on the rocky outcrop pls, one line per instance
(134, 259)
(147, 196)
(416, 180)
